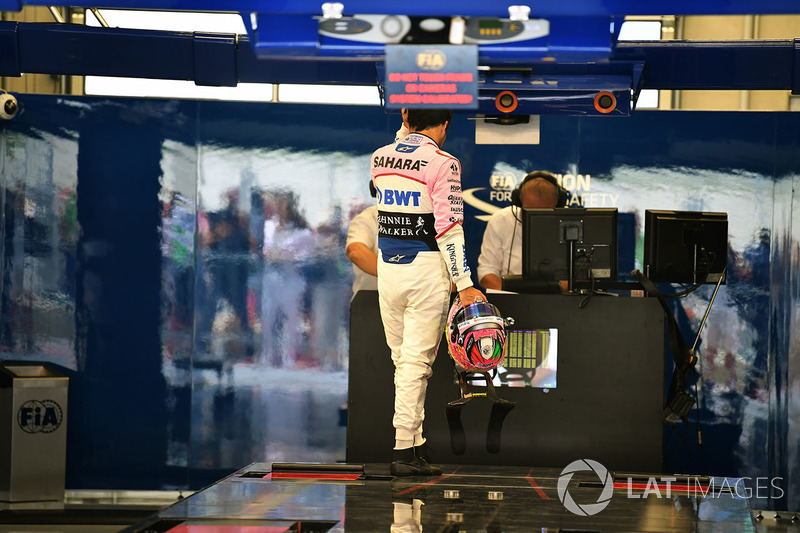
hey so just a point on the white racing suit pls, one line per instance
(421, 243)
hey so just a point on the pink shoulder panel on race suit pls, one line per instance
(420, 207)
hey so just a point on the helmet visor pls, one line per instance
(479, 313)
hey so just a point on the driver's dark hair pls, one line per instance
(422, 119)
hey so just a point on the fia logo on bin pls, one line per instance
(36, 416)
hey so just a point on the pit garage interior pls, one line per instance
(174, 277)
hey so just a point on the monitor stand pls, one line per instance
(571, 233)
(571, 263)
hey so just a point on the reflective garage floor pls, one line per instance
(275, 497)
(89, 511)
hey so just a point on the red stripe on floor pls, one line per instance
(536, 486)
(310, 475)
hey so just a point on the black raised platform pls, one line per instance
(607, 404)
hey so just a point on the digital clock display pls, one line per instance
(490, 23)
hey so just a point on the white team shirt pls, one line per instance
(501, 249)
(364, 229)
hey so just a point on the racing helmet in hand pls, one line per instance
(476, 336)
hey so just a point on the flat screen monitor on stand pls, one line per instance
(689, 247)
(569, 244)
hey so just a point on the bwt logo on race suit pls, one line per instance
(394, 197)
(43, 416)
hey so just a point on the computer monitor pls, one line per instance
(685, 246)
(569, 244)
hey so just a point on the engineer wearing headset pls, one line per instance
(501, 250)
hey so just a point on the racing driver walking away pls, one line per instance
(421, 243)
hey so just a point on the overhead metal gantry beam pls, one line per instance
(228, 59)
(556, 61)
(441, 7)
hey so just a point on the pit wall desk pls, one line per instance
(606, 406)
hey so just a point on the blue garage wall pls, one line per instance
(184, 263)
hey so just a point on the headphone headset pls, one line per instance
(372, 190)
(516, 201)
(563, 194)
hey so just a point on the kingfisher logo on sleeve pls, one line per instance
(451, 256)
